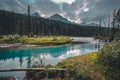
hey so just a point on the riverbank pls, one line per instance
(102, 65)
(17, 45)
(83, 67)
(21, 46)
(13, 41)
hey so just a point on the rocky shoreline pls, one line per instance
(17, 45)
(21, 45)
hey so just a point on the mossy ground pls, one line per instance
(84, 67)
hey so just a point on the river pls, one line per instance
(27, 57)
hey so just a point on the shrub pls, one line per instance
(117, 36)
(110, 54)
(109, 57)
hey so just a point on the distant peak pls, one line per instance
(88, 24)
(83, 22)
(56, 15)
(59, 18)
(36, 14)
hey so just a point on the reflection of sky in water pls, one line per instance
(22, 58)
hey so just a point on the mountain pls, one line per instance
(86, 24)
(83, 23)
(35, 14)
(93, 24)
(59, 18)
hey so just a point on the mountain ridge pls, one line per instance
(59, 18)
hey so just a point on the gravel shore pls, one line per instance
(17, 45)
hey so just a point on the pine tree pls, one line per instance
(109, 26)
(29, 24)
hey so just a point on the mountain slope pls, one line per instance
(36, 14)
(59, 18)
(88, 24)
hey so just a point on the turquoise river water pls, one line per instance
(27, 57)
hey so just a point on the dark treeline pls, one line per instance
(115, 32)
(15, 23)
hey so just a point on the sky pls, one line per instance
(74, 10)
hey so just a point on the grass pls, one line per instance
(40, 40)
(45, 40)
(83, 67)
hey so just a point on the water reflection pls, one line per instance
(24, 58)
(15, 56)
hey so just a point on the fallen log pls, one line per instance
(32, 69)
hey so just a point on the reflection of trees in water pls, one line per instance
(29, 62)
(21, 61)
(98, 45)
(37, 52)
(39, 60)
(71, 47)
(21, 53)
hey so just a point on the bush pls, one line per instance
(9, 38)
(12, 38)
(117, 36)
(110, 54)
(41, 40)
(45, 40)
(109, 57)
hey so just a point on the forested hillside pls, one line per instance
(14, 23)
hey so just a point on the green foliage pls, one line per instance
(40, 40)
(117, 35)
(12, 38)
(9, 38)
(36, 75)
(109, 57)
(43, 74)
(83, 67)
(78, 68)
(110, 54)
(45, 40)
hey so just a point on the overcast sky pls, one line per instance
(74, 10)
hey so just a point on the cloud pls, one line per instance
(64, 1)
(86, 9)
(29, 1)
(12, 5)
(74, 10)
(91, 10)
(61, 7)
(47, 7)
